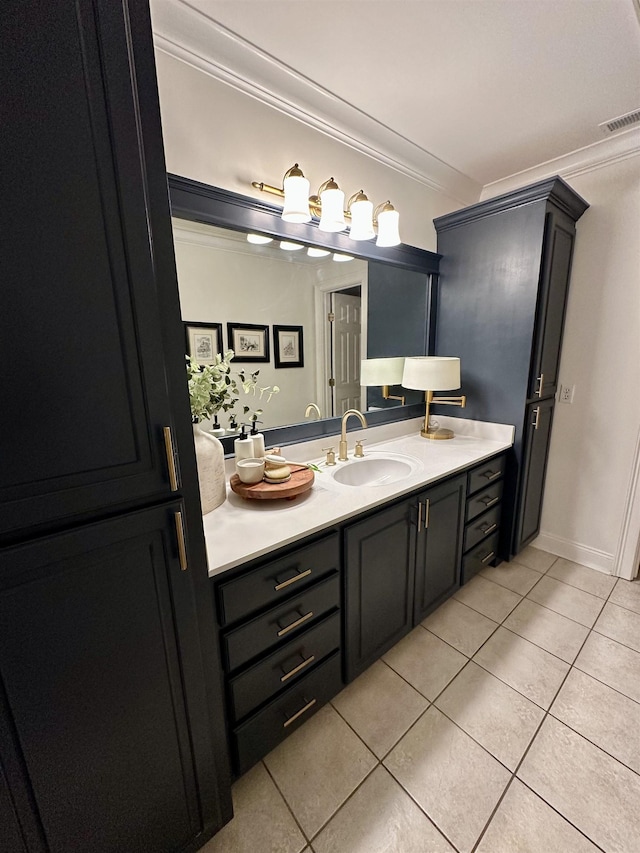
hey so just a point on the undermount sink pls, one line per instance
(375, 471)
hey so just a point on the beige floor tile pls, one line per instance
(526, 824)
(534, 558)
(318, 766)
(620, 624)
(567, 600)
(561, 636)
(460, 626)
(611, 663)
(602, 715)
(425, 661)
(500, 719)
(530, 670)
(488, 598)
(380, 818)
(262, 820)
(380, 706)
(454, 780)
(589, 580)
(590, 789)
(514, 576)
(627, 594)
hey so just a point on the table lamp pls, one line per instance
(433, 373)
(382, 372)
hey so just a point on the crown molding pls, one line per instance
(192, 37)
(579, 162)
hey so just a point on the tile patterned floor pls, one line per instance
(506, 723)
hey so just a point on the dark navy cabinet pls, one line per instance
(504, 279)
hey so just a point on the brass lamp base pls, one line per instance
(437, 433)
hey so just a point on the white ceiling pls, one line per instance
(480, 88)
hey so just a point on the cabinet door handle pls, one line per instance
(488, 529)
(427, 506)
(295, 624)
(299, 713)
(297, 669)
(535, 421)
(540, 381)
(488, 557)
(489, 501)
(182, 547)
(419, 516)
(295, 578)
(491, 475)
(171, 459)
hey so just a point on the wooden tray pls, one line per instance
(300, 482)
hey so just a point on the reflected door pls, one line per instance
(345, 352)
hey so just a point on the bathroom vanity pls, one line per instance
(309, 593)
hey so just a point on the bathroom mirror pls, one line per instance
(382, 302)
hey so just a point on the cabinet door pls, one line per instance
(439, 545)
(552, 302)
(96, 681)
(379, 570)
(84, 388)
(534, 466)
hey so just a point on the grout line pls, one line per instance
(615, 640)
(286, 802)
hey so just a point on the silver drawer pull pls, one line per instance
(540, 381)
(296, 669)
(488, 557)
(295, 624)
(295, 578)
(299, 713)
(536, 420)
(491, 475)
(489, 529)
(489, 501)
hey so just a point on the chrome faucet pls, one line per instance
(342, 454)
(312, 407)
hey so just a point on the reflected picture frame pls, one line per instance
(249, 342)
(288, 346)
(203, 341)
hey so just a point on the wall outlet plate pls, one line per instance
(566, 393)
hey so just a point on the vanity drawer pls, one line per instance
(277, 579)
(281, 623)
(481, 527)
(483, 500)
(285, 667)
(485, 474)
(479, 557)
(262, 732)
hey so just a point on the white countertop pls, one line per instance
(240, 530)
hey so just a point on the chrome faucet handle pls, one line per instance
(359, 450)
(331, 456)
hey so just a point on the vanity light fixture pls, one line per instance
(317, 253)
(342, 259)
(382, 372)
(259, 239)
(328, 205)
(290, 247)
(433, 373)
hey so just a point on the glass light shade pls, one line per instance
(332, 217)
(296, 199)
(342, 259)
(381, 371)
(431, 373)
(290, 247)
(317, 253)
(388, 232)
(259, 239)
(362, 221)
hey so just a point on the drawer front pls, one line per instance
(479, 557)
(262, 732)
(483, 500)
(481, 527)
(281, 623)
(276, 580)
(285, 667)
(483, 475)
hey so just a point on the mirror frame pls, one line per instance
(198, 202)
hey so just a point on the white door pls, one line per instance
(345, 352)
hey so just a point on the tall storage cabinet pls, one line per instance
(504, 278)
(111, 720)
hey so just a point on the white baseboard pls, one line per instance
(583, 554)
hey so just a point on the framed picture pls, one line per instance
(248, 342)
(287, 346)
(204, 341)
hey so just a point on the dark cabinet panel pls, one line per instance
(10, 834)
(439, 545)
(537, 437)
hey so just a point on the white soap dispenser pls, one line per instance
(243, 446)
(258, 441)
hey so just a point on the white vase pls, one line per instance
(211, 474)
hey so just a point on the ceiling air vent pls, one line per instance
(621, 122)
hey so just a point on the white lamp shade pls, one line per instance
(332, 218)
(290, 247)
(431, 373)
(317, 253)
(296, 199)
(381, 371)
(362, 221)
(388, 231)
